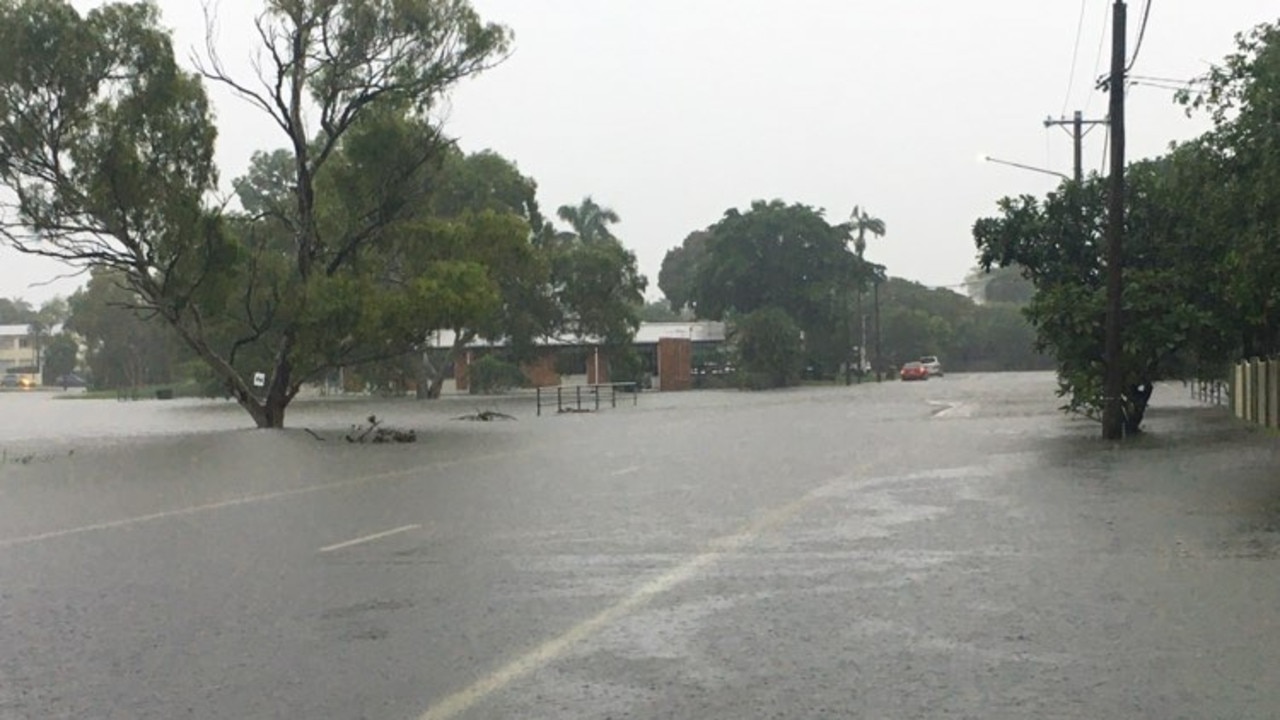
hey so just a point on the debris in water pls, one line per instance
(377, 434)
(486, 416)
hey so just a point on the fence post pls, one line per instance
(1258, 391)
(1250, 392)
(1242, 392)
(1273, 393)
(1253, 390)
(1246, 394)
(1237, 391)
(1264, 392)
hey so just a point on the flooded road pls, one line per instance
(952, 548)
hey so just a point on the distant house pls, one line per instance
(572, 355)
(18, 348)
(700, 332)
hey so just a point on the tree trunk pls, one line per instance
(430, 378)
(437, 387)
(424, 377)
(462, 339)
(280, 390)
(273, 412)
(267, 413)
(1139, 397)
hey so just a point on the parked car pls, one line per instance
(13, 380)
(930, 363)
(70, 380)
(914, 371)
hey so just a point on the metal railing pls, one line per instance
(1213, 392)
(571, 398)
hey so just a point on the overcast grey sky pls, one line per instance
(672, 111)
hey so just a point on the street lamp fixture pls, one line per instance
(998, 161)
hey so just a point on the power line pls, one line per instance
(1097, 61)
(1158, 85)
(1142, 33)
(1075, 54)
(1174, 81)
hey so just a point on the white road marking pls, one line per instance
(551, 650)
(368, 538)
(952, 409)
(246, 500)
(625, 471)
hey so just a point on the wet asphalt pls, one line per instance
(948, 549)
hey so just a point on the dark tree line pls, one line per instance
(773, 261)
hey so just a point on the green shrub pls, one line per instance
(770, 349)
(491, 375)
(625, 366)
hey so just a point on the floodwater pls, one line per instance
(951, 548)
(35, 417)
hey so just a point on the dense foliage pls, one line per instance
(789, 258)
(770, 349)
(774, 255)
(108, 148)
(1200, 248)
(354, 243)
(491, 375)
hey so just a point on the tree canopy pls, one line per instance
(863, 223)
(596, 280)
(1175, 321)
(122, 349)
(1200, 250)
(773, 255)
(108, 156)
(678, 274)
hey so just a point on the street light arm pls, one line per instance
(1043, 171)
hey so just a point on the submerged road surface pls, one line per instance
(948, 549)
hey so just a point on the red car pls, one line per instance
(914, 371)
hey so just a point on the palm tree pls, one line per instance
(864, 223)
(590, 221)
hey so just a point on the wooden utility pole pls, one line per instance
(1077, 123)
(1113, 386)
(879, 364)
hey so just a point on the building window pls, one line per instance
(24, 343)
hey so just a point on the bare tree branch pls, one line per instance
(215, 71)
